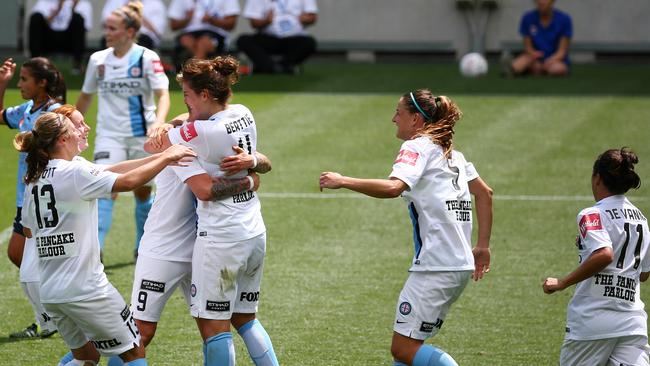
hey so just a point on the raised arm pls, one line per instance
(137, 177)
(83, 102)
(483, 202)
(378, 188)
(7, 71)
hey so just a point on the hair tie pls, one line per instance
(426, 117)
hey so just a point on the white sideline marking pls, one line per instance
(496, 197)
(6, 234)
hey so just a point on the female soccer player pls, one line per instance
(43, 87)
(126, 77)
(228, 256)
(59, 213)
(437, 183)
(606, 321)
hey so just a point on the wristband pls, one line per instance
(254, 161)
(251, 182)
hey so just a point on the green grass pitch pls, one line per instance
(336, 261)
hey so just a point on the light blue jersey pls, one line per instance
(22, 117)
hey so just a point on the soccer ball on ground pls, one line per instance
(473, 65)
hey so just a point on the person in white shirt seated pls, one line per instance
(280, 26)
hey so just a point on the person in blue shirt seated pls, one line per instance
(547, 34)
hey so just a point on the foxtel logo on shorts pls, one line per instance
(188, 132)
(407, 157)
(590, 222)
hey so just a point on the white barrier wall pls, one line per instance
(435, 21)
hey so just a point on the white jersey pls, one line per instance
(286, 19)
(61, 21)
(125, 88)
(170, 230)
(609, 304)
(61, 211)
(219, 8)
(234, 218)
(439, 203)
(154, 12)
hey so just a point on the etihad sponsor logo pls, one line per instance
(590, 222)
(152, 286)
(217, 305)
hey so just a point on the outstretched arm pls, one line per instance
(596, 262)
(483, 201)
(378, 188)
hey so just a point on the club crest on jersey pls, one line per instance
(407, 157)
(188, 132)
(590, 222)
(157, 66)
(193, 290)
(100, 72)
(135, 72)
(405, 308)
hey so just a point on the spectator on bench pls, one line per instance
(60, 26)
(280, 26)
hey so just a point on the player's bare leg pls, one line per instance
(409, 351)
(147, 331)
(86, 353)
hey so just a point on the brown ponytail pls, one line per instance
(39, 143)
(440, 116)
(616, 168)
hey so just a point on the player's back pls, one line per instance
(609, 303)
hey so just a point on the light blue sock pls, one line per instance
(432, 356)
(397, 363)
(141, 212)
(105, 216)
(258, 343)
(66, 358)
(220, 350)
(115, 361)
(138, 362)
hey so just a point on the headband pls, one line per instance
(426, 117)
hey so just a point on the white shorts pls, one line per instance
(105, 321)
(111, 150)
(630, 350)
(226, 277)
(32, 291)
(153, 284)
(425, 301)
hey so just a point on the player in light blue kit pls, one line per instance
(126, 78)
(43, 87)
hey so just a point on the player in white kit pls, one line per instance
(229, 252)
(606, 320)
(437, 184)
(60, 214)
(126, 78)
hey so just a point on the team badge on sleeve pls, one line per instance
(407, 157)
(590, 222)
(100, 72)
(188, 132)
(157, 66)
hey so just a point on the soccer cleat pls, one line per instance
(47, 333)
(29, 332)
